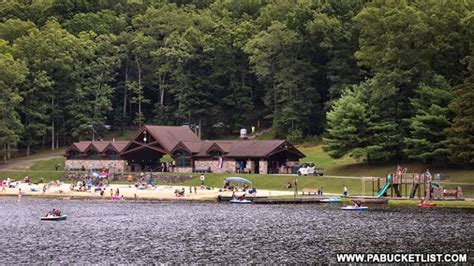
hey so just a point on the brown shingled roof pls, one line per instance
(244, 148)
(169, 136)
(82, 145)
(118, 145)
(253, 148)
(99, 145)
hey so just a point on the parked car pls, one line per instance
(310, 169)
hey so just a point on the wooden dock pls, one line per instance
(305, 200)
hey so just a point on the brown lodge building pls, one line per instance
(150, 143)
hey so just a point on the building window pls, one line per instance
(182, 159)
(112, 155)
(92, 154)
(215, 155)
(74, 155)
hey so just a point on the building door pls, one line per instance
(257, 166)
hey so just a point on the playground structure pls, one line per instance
(411, 185)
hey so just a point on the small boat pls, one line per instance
(237, 201)
(54, 218)
(331, 200)
(427, 204)
(354, 208)
(117, 197)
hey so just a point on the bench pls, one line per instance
(202, 169)
(456, 193)
(310, 190)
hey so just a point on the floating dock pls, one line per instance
(288, 201)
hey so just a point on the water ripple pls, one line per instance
(145, 232)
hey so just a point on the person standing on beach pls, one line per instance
(19, 194)
(344, 193)
(195, 190)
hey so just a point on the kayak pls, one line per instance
(54, 218)
(427, 204)
(331, 200)
(237, 201)
(353, 208)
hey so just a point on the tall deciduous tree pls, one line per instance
(286, 74)
(12, 73)
(89, 110)
(52, 55)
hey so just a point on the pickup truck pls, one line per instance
(310, 170)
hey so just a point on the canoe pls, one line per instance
(331, 200)
(237, 201)
(427, 204)
(352, 208)
(54, 218)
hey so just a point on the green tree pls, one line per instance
(427, 140)
(92, 103)
(12, 73)
(53, 57)
(287, 75)
(102, 22)
(348, 123)
(12, 29)
(461, 133)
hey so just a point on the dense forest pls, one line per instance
(379, 80)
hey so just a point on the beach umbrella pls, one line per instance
(237, 179)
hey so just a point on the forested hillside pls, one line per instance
(378, 79)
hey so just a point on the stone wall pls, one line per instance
(183, 169)
(263, 167)
(228, 165)
(251, 166)
(206, 163)
(115, 166)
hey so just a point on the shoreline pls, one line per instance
(128, 193)
(162, 193)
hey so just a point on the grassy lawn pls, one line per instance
(348, 166)
(273, 182)
(49, 165)
(33, 174)
(316, 155)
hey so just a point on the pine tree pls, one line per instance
(461, 133)
(347, 125)
(427, 140)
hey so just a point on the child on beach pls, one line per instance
(344, 193)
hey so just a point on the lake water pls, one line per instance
(180, 232)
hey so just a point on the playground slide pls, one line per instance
(382, 190)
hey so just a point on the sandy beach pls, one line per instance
(129, 192)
